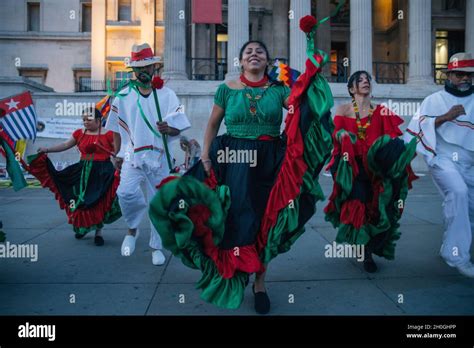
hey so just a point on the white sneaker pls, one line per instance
(157, 258)
(128, 245)
(467, 270)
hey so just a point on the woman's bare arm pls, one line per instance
(59, 147)
(212, 129)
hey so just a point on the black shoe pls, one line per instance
(370, 266)
(80, 236)
(98, 240)
(262, 302)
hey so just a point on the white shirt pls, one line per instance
(138, 143)
(451, 139)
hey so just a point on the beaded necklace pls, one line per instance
(254, 94)
(362, 129)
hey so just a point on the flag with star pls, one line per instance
(11, 110)
(19, 118)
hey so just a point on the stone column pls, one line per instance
(98, 42)
(469, 45)
(280, 29)
(361, 35)
(175, 40)
(238, 33)
(147, 18)
(420, 63)
(298, 9)
(323, 33)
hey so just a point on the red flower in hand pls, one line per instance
(157, 82)
(307, 23)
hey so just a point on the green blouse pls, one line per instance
(240, 122)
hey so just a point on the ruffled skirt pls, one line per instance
(99, 203)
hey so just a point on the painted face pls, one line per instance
(254, 58)
(461, 80)
(144, 74)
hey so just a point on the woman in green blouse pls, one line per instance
(252, 110)
(255, 186)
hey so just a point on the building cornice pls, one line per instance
(44, 35)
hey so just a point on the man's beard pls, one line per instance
(461, 90)
(462, 87)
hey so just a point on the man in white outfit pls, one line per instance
(444, 126)
(144, 117)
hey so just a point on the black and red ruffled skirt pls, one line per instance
(231, 224)
(99, 203)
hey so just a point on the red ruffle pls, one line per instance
(331, 206)
(79, 217)
(290, 178)
(411, 176)
(353, 212)
(165, 180)
(383, 122)
(244, 258)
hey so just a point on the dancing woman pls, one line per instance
(85, 190)
(249, 197)
(371, 170)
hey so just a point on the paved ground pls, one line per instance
(103, 282)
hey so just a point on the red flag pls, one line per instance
(19, 120)
(207, 11)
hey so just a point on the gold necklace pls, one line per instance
(362, 129)
(254, 98)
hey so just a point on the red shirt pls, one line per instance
(101, 146)
(383, 122)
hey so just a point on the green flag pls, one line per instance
(13, 167)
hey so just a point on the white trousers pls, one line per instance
(133, 202)
(455, 181)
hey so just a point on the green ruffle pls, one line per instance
(388, 201)
(111, 216)
(168, 213)
(343, 179)
(169, 208)
(317, 148)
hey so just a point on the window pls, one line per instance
(124, 10)
(86, 18)
(123, 75)
(82, 80)
(457, 5)
(35, 74)
(33, 16)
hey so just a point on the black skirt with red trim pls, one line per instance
(99, 205)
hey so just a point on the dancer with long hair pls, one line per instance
(371, 170)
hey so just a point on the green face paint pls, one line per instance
(144, 75)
